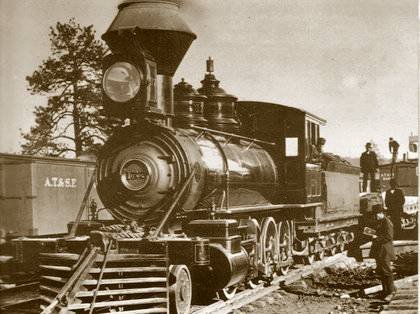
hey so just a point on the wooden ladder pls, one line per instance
(125, 283)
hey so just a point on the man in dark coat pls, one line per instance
(369, 165)
(393, 148)
(394, 202)
(383, 251)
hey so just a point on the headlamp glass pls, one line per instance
(122, 81)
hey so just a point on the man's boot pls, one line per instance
(384, 288)
(390, 289)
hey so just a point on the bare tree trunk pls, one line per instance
(77, 138)
(76, 125)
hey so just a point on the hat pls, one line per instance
(378, 208)
(368, 145)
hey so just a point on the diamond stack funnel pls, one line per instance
(157, 27)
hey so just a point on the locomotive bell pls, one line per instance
(189, 105)
(219, 108)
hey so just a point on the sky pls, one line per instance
(354, 63)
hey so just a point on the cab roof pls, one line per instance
(308, 115)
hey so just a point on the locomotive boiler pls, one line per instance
(228, 191)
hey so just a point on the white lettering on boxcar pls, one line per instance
(56, 182)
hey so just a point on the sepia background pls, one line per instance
(351, 62)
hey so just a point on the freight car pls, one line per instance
(211, 193)
(38, 195)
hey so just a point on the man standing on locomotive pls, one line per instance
(394, 202)
(393, 149)
(382, 251)
(369, 165)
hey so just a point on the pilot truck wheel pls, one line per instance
(180, 289)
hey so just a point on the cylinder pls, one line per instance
(228, 269)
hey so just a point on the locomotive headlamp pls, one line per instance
(128, 84)
(121, 81)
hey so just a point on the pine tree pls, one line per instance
(72, 120)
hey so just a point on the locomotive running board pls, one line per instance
(247, 209)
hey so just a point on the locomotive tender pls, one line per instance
(227, 188)
(405, 172)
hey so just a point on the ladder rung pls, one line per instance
(128, 270)
(49, 301)
(81, 294)
(124, 280)
(56, 279)
(46, 299)
(83, 306)
(68, 256)
(50, 289)
(54, 267)
(145, 311)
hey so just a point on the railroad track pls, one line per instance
(21, 296)
(250, 295)
(405, 300)
(24, 293)
(400, 246)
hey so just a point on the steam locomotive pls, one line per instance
(226, 190)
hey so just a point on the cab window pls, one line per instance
(312, 135)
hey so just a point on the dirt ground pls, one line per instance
(334, 290)
(284, 302)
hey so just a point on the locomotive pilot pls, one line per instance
(394, 202)
(382, 251)
(369, 165)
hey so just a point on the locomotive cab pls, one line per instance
(295, 133)
(327, 189)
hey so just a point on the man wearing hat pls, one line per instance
(382, 251)
(394, 202)
(369, 165)
(393, 149)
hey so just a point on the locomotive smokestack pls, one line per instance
(157, 28)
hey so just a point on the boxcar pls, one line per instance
(39, 196)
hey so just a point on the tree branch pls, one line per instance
(91, 136)
(62, 137)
